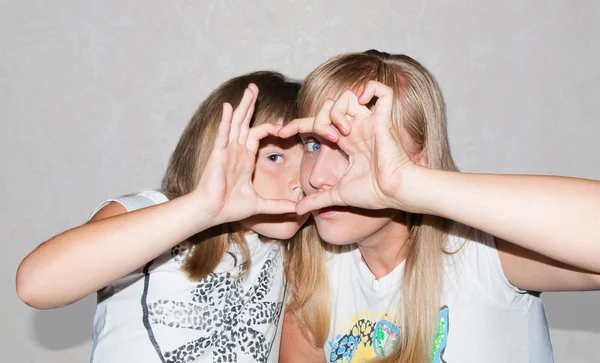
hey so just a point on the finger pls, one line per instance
(239, 114)
(297, 126)
(384, 94)
(345, 106)
(260, 132)
(224, 126)
(264, 130)
(319, 200)
(275, 206)
(246, 123)
(323, 126)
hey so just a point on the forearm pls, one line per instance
(555, 216)
(82, 260)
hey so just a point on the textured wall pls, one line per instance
(94, 94)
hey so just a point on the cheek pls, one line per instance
(267, 183)
(274, 226)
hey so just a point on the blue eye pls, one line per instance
(276, 158)
(312, 146)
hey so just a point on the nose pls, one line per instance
(297, 193)
(328, 168)
(294, 183)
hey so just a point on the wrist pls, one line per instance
(415, 192)
(196, 211)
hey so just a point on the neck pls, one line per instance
(387, 248)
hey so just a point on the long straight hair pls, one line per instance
(418, 110)
(276, 102)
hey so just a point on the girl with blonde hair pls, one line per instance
(193, 272)
(422, 263)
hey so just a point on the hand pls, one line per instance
(225, 186)
(377, 160)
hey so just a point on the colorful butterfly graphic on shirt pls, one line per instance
(367, 340)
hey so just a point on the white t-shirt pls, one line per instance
(157, 314)
(483, 318)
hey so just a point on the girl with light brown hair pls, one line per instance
(193, 272)
(421, 263)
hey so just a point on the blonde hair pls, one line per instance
(419, 111)
(276, 101)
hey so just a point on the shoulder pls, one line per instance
(341, 262)
(475, 252)
(461, 238)
(337, 255)
(109, 210)
(127, 203)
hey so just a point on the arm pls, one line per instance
(295, 346)
(532, 271)
(80, 261)
(111, 245)
(551, 222)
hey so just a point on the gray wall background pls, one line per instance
(94, 95)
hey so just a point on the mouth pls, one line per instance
(331, 212)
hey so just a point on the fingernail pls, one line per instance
(342, 129)
(329, 137)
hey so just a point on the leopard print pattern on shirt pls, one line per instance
(227, 316)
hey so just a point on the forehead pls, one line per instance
(274, 141)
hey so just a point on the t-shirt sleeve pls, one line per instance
(133, 202)
(479, 253)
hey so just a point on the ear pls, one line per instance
(422, 159)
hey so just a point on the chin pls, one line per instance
(335, 233)
(346, 226)
(276, 228)
(285, 230)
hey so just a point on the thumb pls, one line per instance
(319, 200)
(275, 206)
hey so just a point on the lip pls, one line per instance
(331, 212)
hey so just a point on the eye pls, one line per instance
(312, 146)
(276, 158)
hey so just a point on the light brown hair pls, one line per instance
(276, 102)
